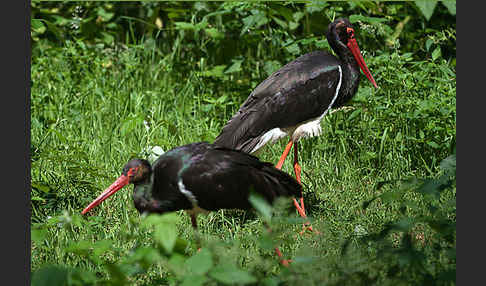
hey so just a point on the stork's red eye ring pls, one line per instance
(350, 32)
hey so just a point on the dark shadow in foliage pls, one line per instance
(406, 260)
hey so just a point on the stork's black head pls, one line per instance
(342, 30)
(135, 171)
(340, 35)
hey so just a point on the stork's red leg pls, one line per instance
(279, 166)
(284, 155)
(297, 170)
(300, 207)
(284, 262)
(297, 167)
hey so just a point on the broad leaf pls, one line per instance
(451, 6)
(166, 235)
(261, 205)
(194, 280)
(38, 235)
(201, 262)
(185, 26)
(449, 165)
(50, 276)
(230, 274)
(426, 7)
(365, 19)
(37, 26)
(235, 67)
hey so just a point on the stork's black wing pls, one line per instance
(221, 178)
(299, 91)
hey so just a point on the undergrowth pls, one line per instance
(379, 183)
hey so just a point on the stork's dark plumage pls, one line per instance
(200, 177)
(294, 99)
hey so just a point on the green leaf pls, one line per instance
(270, 281)
(304, 259)
(451, 6)
(101, 246)
(165, 232)
(155, 219)
(436, 53)
(50, 276)
(106, 16)
(216, 71)
(38, 235)
(146, 256)
(365, 19)
(82, 247)
(430, 187)
(201, 262)
(405, 224)
(229, 274)
(426, 7)
(194, 280)
(261, 205)
(37, 26)
(271, 66)
(235, 67)
(166, 235)
(428, 43)
(449, 164)
(41, 187)
(107, 38)
(293, 25)
(266, 242)
(433, 144)
(293, 49)
(298, 15)
(184, 26)
(177, 264)
(280, 22)
(354, 114)
(255, 20)
(316, 6)
(117, 275)
(214, 33)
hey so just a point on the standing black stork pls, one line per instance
(293, 100)
(200, 177)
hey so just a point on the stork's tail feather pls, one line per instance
(281, 183)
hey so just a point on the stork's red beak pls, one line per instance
(353, 46)
(116, 186)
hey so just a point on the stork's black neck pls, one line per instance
(143, 195)
(350, 69)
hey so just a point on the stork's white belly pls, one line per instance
(309, 128)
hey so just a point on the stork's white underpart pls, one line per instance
(305, 129)
(188, 194)
(192, 198)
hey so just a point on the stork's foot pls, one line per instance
(308, 227)
(284, 262)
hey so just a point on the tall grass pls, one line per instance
(95, 108)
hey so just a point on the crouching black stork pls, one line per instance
(294, 99)
(200, 177)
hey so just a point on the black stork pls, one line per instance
(293, 100)
(198, 178)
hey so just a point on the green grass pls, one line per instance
(93, 110)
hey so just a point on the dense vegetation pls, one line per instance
(109, 81)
